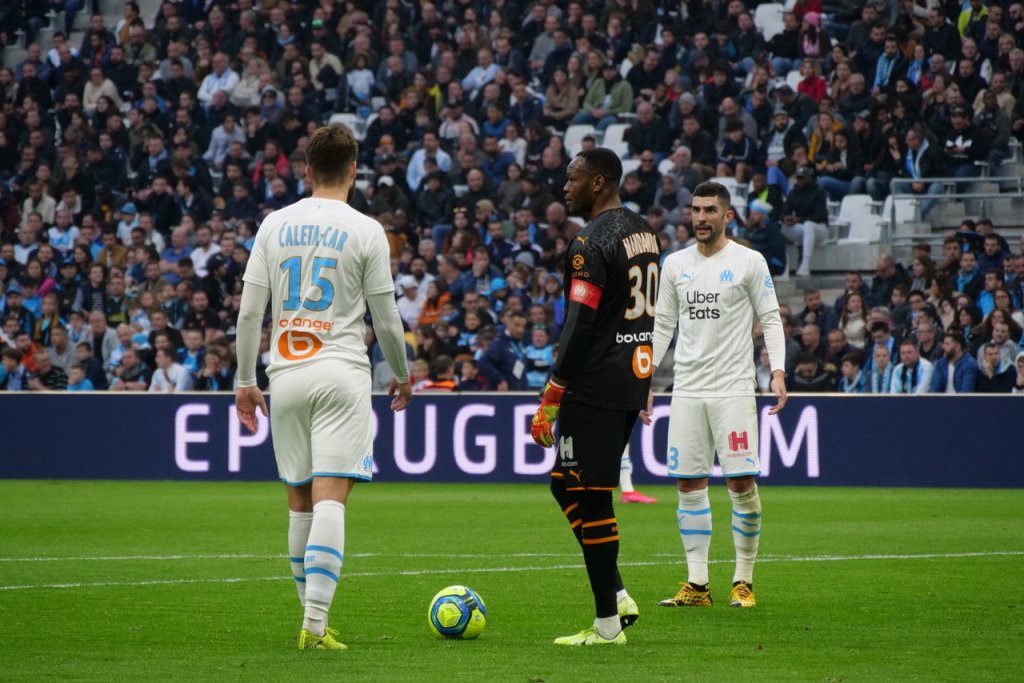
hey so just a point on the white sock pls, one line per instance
(746, 532)
(324, 555)
(607, 627)
(298, 537)
(694, 515)
(626, 473)
(621, 595)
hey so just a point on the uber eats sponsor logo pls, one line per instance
(702, 305)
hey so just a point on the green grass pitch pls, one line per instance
(170, 581)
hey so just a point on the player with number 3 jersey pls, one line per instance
(713, 290)
(601, 377)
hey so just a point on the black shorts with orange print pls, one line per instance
(590, 444)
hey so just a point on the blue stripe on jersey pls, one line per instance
(744, 474)
(325, 549)
(695, 532)
(747, 515)
(705, 511)
(317, 570)
(748, 534)
(299, 579)
(297, 560)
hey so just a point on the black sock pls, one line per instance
(570, 504)
(600, 541)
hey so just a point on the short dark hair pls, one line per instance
(879, 326)
(601, 161)
(853, 358)
(807, 357)
(957, 338)
(330, 154)
(712, 189)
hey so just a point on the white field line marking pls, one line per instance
(269, 556)
(479, 570)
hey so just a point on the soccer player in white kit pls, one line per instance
(319, 261)
(713, 289)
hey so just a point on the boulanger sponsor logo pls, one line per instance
(768, 282)
(701, 307)
(578, 262)
(295, 345)
(643, 361)
(634, 338)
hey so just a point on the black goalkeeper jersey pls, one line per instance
(619, 253)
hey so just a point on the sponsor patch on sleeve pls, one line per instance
(585, 293)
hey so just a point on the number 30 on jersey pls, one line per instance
(644, 291)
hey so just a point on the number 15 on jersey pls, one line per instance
(293, 268)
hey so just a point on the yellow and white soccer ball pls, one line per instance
(457, 612)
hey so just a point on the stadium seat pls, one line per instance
(768, 18)
(350, 120)
(869, 228)
(857, 207)
(793, 78)
(614, 133)
(574, 135)
(629, 165)
(622, 149)
(736, 189)
(864, 230)
(664, 166)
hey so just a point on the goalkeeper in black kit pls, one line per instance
(601, 378)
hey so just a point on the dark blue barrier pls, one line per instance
(963, 441)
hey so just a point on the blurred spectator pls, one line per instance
(955, 372)
(805, 217)
(132, 374)
(996, 374)
(504, 362)
(811, 376)
(13, 375)
(47, 376)
(169, 377)
(851, 375)
(913, 375)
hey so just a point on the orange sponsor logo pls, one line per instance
(294, 345)
(316, 325)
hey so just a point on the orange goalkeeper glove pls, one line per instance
(541, 429)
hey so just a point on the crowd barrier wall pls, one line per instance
(831, 440)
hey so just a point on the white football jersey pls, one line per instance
(713, 300)
(321, 259)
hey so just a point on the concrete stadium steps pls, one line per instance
(13, 54)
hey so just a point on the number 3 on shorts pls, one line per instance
(673, 459)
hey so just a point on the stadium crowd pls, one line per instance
(136, 167)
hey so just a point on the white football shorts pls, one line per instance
(321, 422)
(700, 427)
